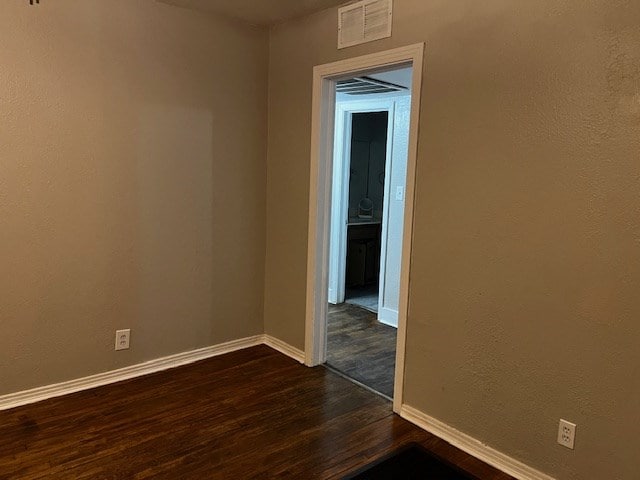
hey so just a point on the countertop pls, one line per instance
(364, 221)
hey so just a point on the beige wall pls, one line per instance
(524, 303)
(132, 184)
(132, 187)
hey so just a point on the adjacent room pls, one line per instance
(319, 239)
(367, 216)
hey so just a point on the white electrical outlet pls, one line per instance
(122, 339)
(566, 434)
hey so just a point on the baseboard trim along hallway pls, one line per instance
(38, 394)
(472, 446)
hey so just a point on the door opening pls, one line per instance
(326, 276)
(367, 209)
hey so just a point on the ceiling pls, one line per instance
(258, 12)
(397, 76)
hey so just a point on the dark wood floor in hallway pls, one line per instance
(361, 347)
(249, 414)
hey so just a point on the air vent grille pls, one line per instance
(364, 21)
(367, 86)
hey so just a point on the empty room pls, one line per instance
(375, 239)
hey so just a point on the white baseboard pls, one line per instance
(284, 348)
(64, 388)
(388, 317)
(456, 438)
(38, 394)
(472, 446)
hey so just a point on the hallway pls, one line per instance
(361, 347)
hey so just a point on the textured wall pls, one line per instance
(132, 183)
(526, 263)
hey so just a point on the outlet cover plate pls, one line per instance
(122, 339)
(566, 434)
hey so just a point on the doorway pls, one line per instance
(324, 126)
(367, 210)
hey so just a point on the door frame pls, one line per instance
(325, 78)
(340, 186)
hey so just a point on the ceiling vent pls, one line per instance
(364, 21)
(367, 86)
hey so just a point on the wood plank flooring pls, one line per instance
(361, 347)
(249, 414)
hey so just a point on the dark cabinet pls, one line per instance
(363, 254)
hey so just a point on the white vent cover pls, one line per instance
(364, 21)
(367, 86)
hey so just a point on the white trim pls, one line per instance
(322, 129)
(388, 316)
(339, 212)
(472, 446)
(38, 394)
(386, 207)
(339, 206)
(284, 348)
(324, 100)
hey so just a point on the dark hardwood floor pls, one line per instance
(250, 414)
(361, 347)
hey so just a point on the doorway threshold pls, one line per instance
(352, 380)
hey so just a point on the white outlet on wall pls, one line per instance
(122, 339)
(566, 434)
